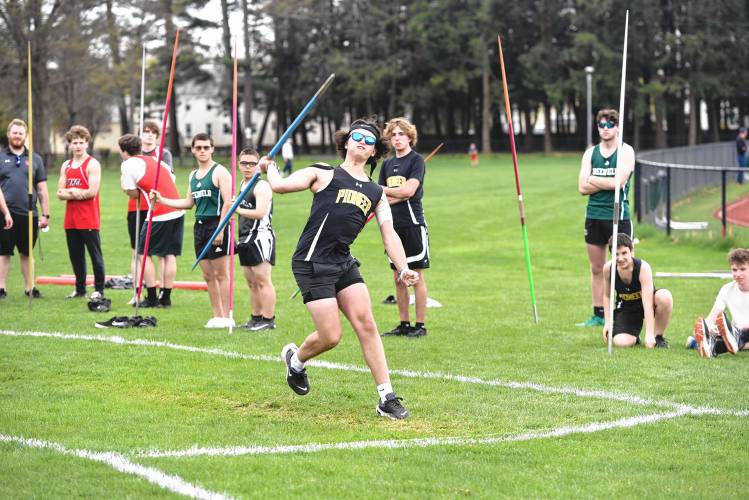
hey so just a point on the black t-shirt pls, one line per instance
(338, 214)
(629, 297)
(395, 172)
(740, 146)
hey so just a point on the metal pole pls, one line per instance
(638, 192)
(723, 203)
(668, 201)
(589, 100)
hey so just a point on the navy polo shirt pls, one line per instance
(14, 177)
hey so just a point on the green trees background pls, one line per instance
(433, 60)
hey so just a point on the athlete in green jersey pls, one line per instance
(596, 180)
(210, 193)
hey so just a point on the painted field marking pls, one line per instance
(531, 386)
(120, 463)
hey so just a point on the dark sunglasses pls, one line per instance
(201, 148)
(368, 139)
(247, 163)
(606, 124)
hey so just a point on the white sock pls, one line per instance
(296, 365)
(384, 389)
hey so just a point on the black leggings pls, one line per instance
(78, 241)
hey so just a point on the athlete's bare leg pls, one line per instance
(263, 296)
(663, 303)
(402, 297)
(597, 258)
(327, 332)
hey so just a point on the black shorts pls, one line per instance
(18, 235)
(131, 216)
(323, 281)
(599, 231)
(415, 241)
(261, 248)
(629, 321)
(202, 232)
(166, 237)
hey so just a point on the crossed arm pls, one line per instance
(93, 172)
(587, 183)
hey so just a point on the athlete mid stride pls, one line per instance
(327, 274)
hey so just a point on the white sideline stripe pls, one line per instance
(120, 463)
(611, 396)
(234, 451)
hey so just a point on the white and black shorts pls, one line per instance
(261, 248)
(415, 241)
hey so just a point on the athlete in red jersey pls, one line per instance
(139, 177)
(79, 186)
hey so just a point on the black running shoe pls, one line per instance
(165, 303)
(247, 325)
(297, 380)
(34, 293)
(3, 293)
(142, 321)
(390, 299)
(115, 322)
(398, 331)
(147, 304)
(263, 324)
(76, 295)
(417, 332)
(392, 408)
(661, 342)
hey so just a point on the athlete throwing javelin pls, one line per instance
(327, 274)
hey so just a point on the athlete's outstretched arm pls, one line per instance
(186, 203)
(298, 181)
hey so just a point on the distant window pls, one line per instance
(209, 129)
(187, 107)
(208, 107)
(227, 128)
(188, 129)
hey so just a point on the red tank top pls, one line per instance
(166, 187)
(143, 203)
(80, 214)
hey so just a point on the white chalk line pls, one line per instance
(120, 463)
(234, 451)
(613, 396)
(531, 386)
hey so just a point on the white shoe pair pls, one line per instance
(220, 323)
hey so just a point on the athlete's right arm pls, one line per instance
(263, 197)
(300, 180)
(62, 192)
(185, 203)
(606, 299)
(6, 212)
(583, 186)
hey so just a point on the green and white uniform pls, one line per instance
(206, 195)
(601, 204)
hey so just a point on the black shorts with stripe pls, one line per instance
(202, 232)
(415, 241)
(598, 231)
(323, 281)
(261, 248)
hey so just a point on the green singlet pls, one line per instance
(207, 196)
(601, 204)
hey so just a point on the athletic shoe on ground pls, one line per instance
(95, 296)
(228, 323)
(691, 343)
(3, 293)
(34, 293)
(392, 408)
(703, 338)
(75, 295)
(298, 381)
(165, 303)
(398, 331)
(592, 321)
(115, 322)
(148, 304)
(142, 321)
(417, 332)
(661, 343)
(249, 323)
(263, 324)
(390, 299)
(732, 343)
(213, 323)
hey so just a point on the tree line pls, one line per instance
(433, 60)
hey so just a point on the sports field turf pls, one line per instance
(501, 407)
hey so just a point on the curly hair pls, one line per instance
(738, 256)
(406, 126)
(78, 132)
(370, 123)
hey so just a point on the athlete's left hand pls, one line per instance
(605, 334)
(409, 277)
(8, 221)
(650, 341)
(43, 222)
(219, 239)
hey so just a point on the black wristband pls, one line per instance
(45, 215)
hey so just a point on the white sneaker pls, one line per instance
(229, 323)
(213, 323)
(95, 296)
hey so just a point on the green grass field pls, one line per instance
(501, 407)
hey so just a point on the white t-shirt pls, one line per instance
(737, 303)
(132, 170)
(287, 151)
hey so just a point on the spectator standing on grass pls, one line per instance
(327, 275)
(257, 244)
(14, 177)
(596, 181)
(741, 153)
(138, 177)
(78, 186)
(473, 153)
(637, 300)
(402, 178)
(287, 153)
(717, 334)
(209, 191)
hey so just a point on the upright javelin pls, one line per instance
(137, 204)
(521, 208)
(30, 168)
(233, 181)
(617, 188)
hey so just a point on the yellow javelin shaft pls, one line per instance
(30, 167)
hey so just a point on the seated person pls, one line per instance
(715, 334)
(637, 300)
